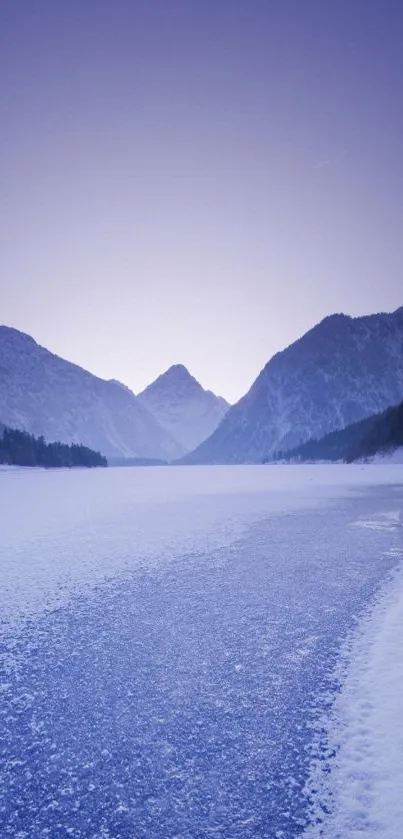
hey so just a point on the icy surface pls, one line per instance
(364, 733)
(169, 642)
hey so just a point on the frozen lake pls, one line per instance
(169, 638)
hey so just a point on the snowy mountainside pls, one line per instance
(381, 435)
(180, 404)
(46, 395)
(341, 371)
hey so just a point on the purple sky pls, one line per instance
(197, 181)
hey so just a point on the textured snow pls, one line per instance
(48, 396)
(180, 404)
(65, 528)
(364, 733)
(343, 370)
(395, 456)
(170, 640)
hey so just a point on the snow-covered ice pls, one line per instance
(64, 529)
(362, 797)
(182, 647)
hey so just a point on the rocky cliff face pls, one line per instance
(48, 396)
(341, 371)
(180, 404)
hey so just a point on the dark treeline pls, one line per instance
(379, 433)
(18, 448)
(385, 434)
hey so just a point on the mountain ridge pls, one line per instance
(46, 395)
(339, 372)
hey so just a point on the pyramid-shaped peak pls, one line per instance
(182, 406)
(178, 371)
(176, 378)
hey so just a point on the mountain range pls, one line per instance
(46, 395)
(341, 371)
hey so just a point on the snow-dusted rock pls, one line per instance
(342, 370)
(180, 404)
(48, 396)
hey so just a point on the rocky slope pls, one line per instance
(180, 404)
(341, 371)
(382, 433)
(46, 395)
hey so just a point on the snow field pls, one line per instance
(244, 579)
(363, 792)
(63, 529)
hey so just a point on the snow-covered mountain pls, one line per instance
(380, 434)
(48, 396)
(341, 371)
(180, 404)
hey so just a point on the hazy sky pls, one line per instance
(197, 181)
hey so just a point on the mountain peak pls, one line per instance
(176, 379)
(48, 396)
(340, 372)
(16, 338)
(182, 406)
(177, 371)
